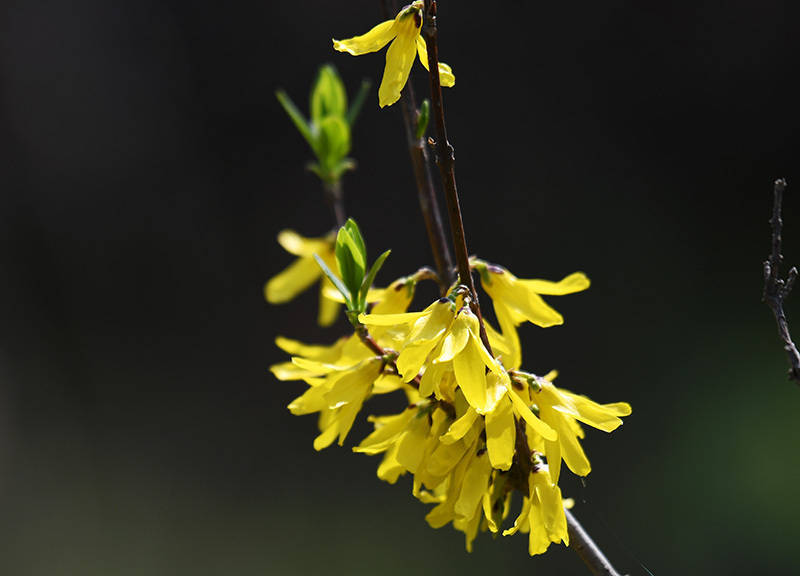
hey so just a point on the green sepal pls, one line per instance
(337, 282)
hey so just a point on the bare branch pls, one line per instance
(777, 289)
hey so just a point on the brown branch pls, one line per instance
(585, 547)
(426, 192)
(777, 289)
(335, 199)
(445, 159)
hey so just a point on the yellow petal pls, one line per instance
(394, 299)
(312, 400)
(552, 449)
(298, 245)
(455, 340)
(471, 376)
(354, 385)
(399, 58)
(347, 415)
(538, 539)
(575, 282)
(326, 438)
(311, 351)
(487, 512)
(445, 458)
(571, 449)
(318, 368)
(521, 301)
(446, 76)
(412, 357)
(460, 427)
(552, 506)
(411, 447)
(501, 435)
(521, 519)
(288, 371)
(435, 320)
(387, 383)
(522, 409)
(328, 309)
(476, 483)
(387, 429)
(293, 280)
(514, 359)
(372, 41)
(429, 382)
(391, 319)
(390, 469)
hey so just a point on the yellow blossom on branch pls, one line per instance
(303, 272)
(516, 301)
(406, 43)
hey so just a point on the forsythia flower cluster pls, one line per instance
(476, 426)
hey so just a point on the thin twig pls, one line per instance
(584, 546)
(777, 289)
(426, 192)
(335, 199)
(445, 158)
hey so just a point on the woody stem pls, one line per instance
(581, 542)
(445, 159)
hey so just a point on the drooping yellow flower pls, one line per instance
(516, 301)
(562, 410)
(404, 34)
(542, 514)
(303, 272)
(337, 394)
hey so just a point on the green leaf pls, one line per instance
(422, 119)
(369, 279)
(355, 232)
(351, 260)
(334, 279)
(358, 102)
(328, 97)
(296, 116)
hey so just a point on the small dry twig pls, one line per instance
(776, 289)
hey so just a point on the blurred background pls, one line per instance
(147, 168)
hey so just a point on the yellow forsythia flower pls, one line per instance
(303, 272)
(562, 410)
(404, 34)
(516, 301)
(542, 514)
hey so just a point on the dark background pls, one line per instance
(147, 168)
